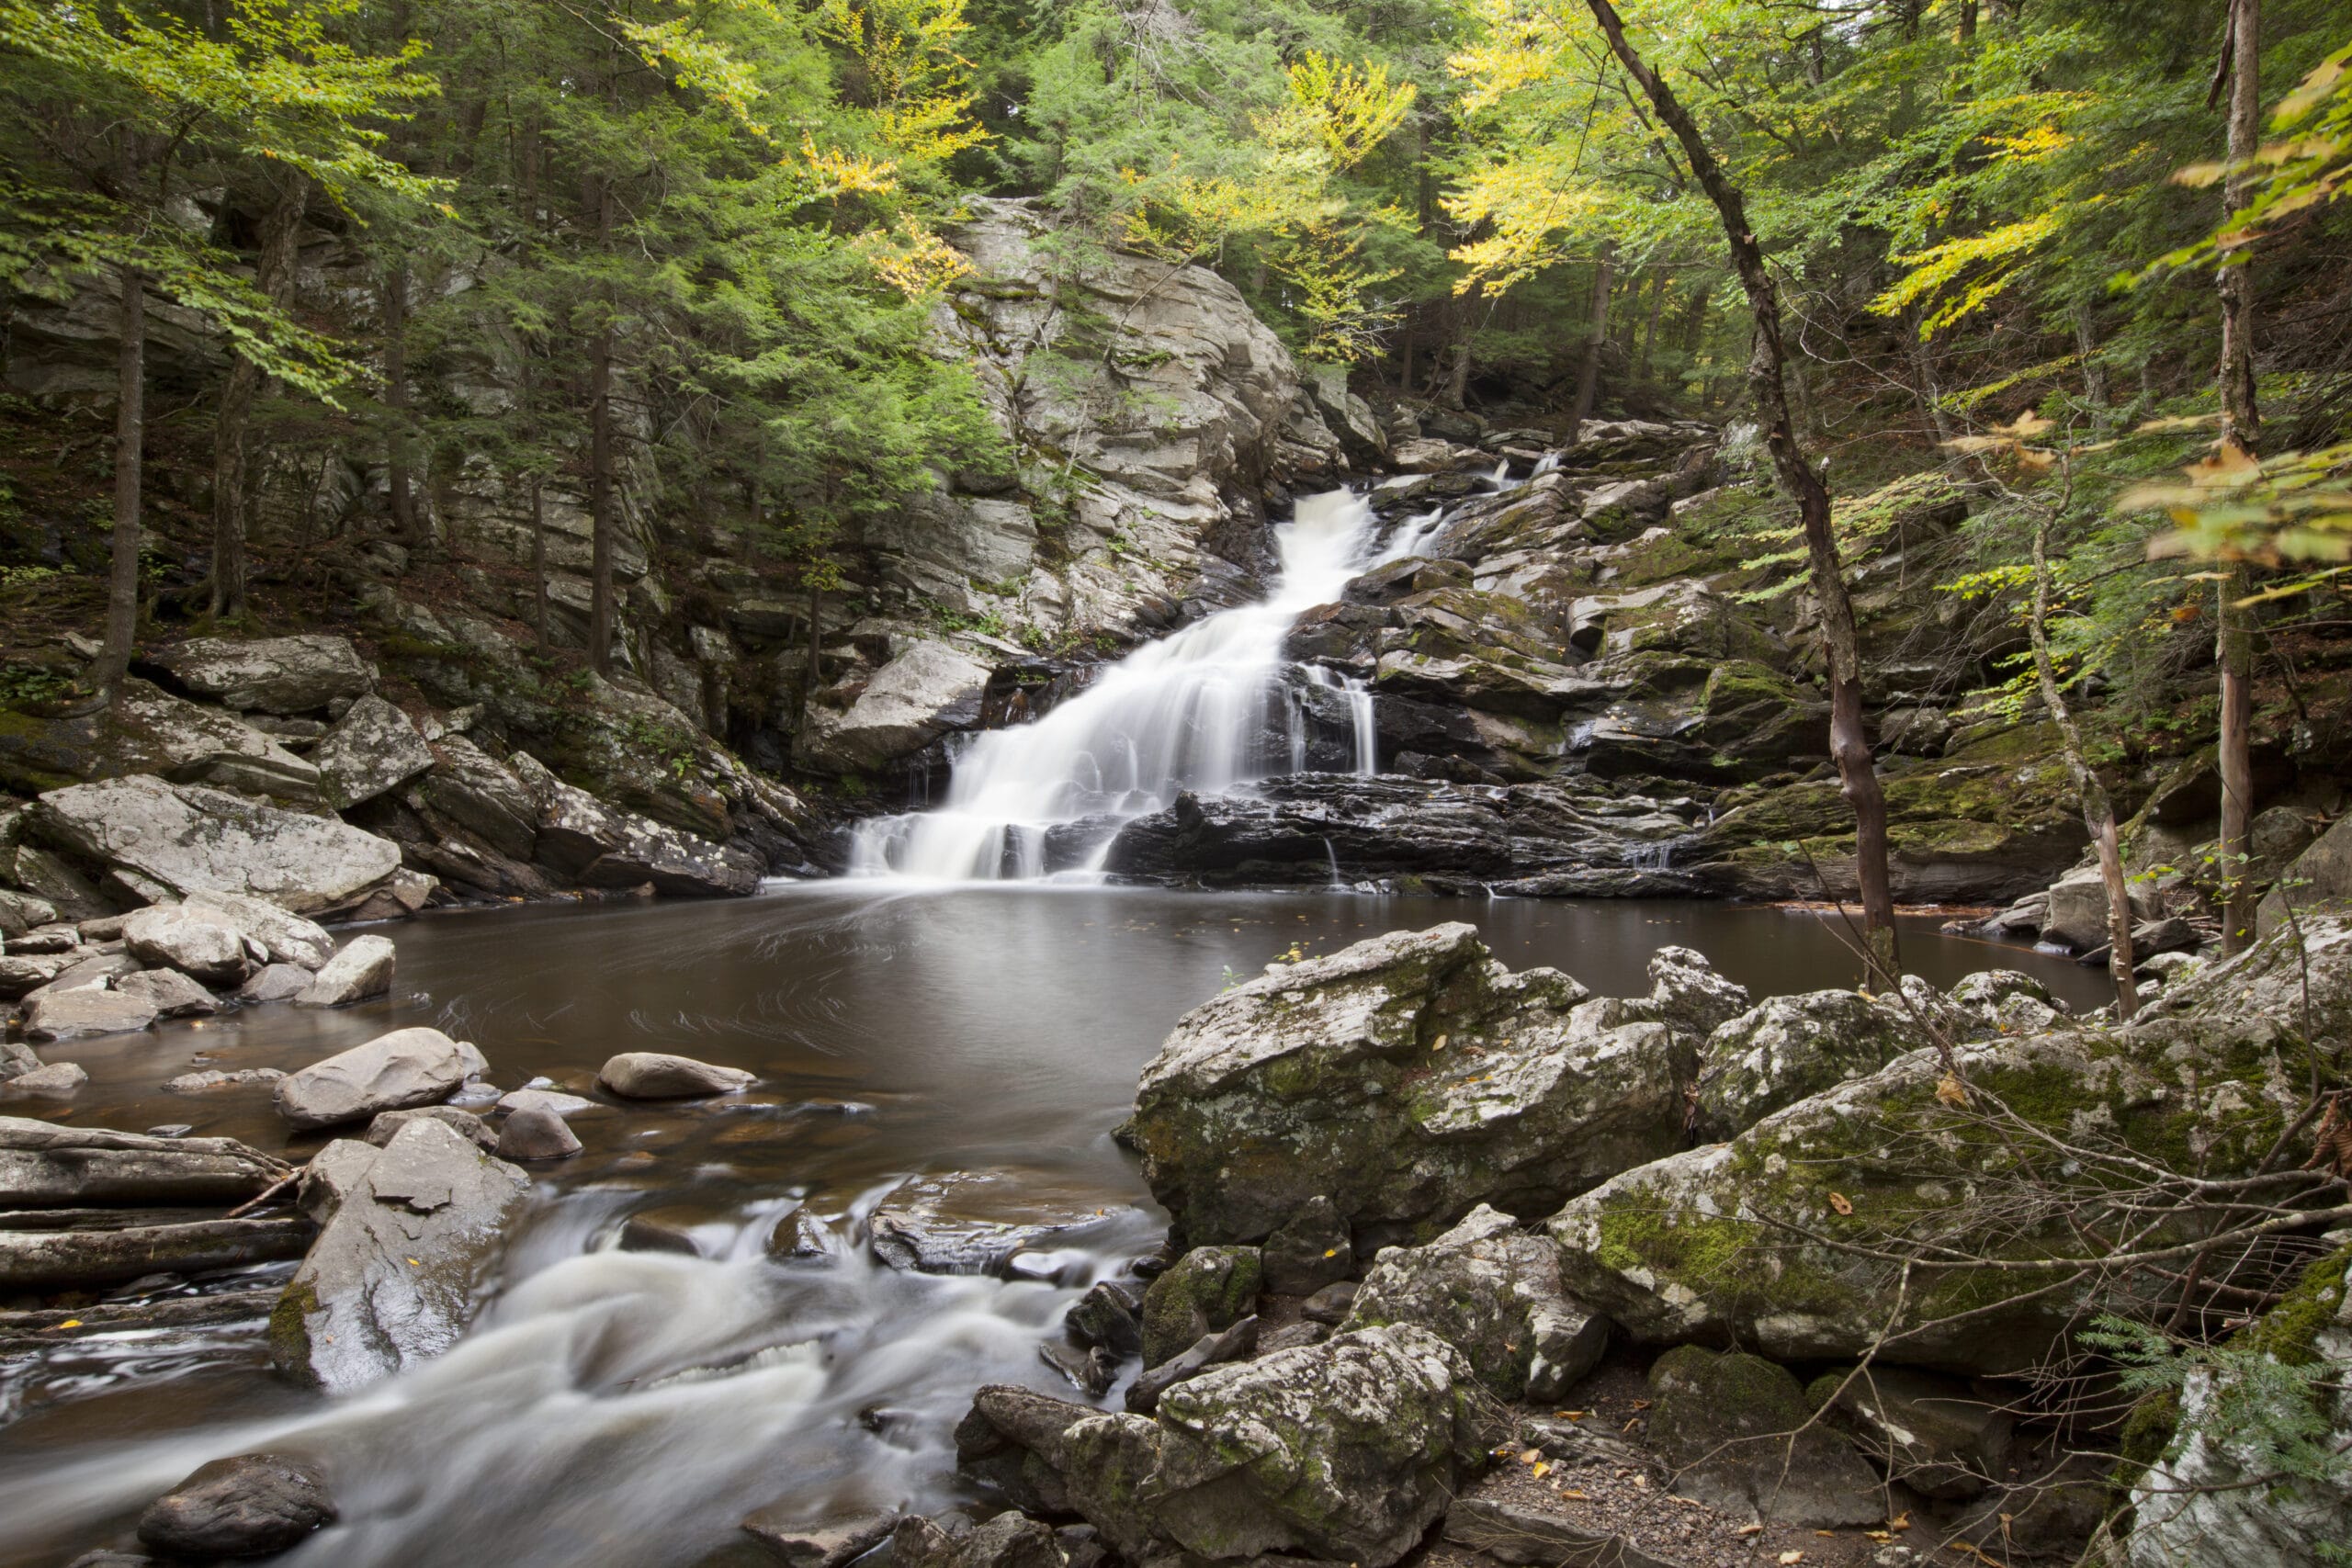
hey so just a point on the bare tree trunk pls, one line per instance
(1968, 21)
(1649, 329)
(1929, 395)
(538, 567)
(274, 277)
(2240, 431)
(1596, 338)
(1849, 745)
(129, 442)
(600, 468)
(2099, 811)
(396, 472)
(2094, 387)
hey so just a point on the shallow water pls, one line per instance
(628, 1408)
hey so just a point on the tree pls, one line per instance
(1849, 745)
(2241, 438)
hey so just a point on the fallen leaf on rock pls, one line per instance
(1788, 1557)
(1840, 1203)
(1951, 1090)
(1749, 1529)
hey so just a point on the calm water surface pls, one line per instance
(626, 1409)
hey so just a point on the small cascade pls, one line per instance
(1206, 709)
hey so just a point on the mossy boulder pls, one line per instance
(1821, 1228)
(1741, 1439)
(1787, 1047)
(1492, 1292)
(1207, 1289)
(1406, 1078)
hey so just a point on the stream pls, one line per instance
(628, 1407)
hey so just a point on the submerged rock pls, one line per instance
(1406, 1078)
(252, 1506)
(405, 1233)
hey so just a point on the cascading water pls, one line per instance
(1192, 711)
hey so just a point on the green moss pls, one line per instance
(2290, 1330)
(1742, 684)
(290, 1328)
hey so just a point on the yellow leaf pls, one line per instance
(70, 1323)
(1788, 1557)
(1540, 1471)
(1749, 1529)
(1900, 1522)
(1949, 1090)
(1840, 1203)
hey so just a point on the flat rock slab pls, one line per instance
(56, 1081)
(43, 1166)
(276, 675)
(392, 1072)
(653, 1075)
(87, 1011)
(969, 1223)
(407, 1233)
(174, 994)
(1514, 1533)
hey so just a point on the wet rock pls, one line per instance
(833, 1544)
(172, 993)
(1010, 1443)
(1310, 1250)
(1406, 1078)
(85, 1013)
(1492, 1292)
(112, 1560)
(275, 983)
(1739, 1436)
(197, 941)
(536, 1134)
(283, 937)
(911, 702)
(1209, 1288)
(197, 1083)
(372, 748)
(969, 1223)
(43, 1166)
(1520, 1535)
(1235, 1341)
(192, 840)
(56, 1081)
(361, 971)
(1331, 1304)
(651, 1075)
(252, 1506)
(385, 1125)
(278, 674)
(1934, 1434)
(406, 1235)
(802, 1237)
(392, 1072)
(529, 1098)
(1092, 1372)
(1107, 1317)
(1787, 1047)
(1008, 1541)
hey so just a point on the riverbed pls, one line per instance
(628, 1407)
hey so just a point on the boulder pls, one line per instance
(1787, 1047)
(278, 674)
(912, 700)
(969, 1223)
(56, 1081)
(373, 748)
(172, 993)
(1688, 995)
(407, 1233)
(1737, 1429)
(387, 1124)
(1107, 1317)
(191, 840)
(197, 941)
(1492, 1292)
(1210, 1288)
(1347, 1451)
(148, 730)
(362, 970)
(2318, 879)
(1236, 1341)
(2077, 911)
(530, 1098)
(275, 983)
(24, 973)
(651, 1074)
(98, 973)
(597, 845)
(536, 1134)
(1406, 1078)
(392, 1072)
(252, 1506)
(1934, 1434)
(1008, 1541)
(21, 912)
(1308, 1251)
(1716, 1244)
(471, 792)
(84, 1012)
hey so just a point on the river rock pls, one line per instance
(1492, 1292)
(362, 970)
(197, 1083)
(191, 840)
(529, 1098)
(1934, 1434)
(172, 993)
(969, 1223)
(43, 1166)
(283, 937)
(385, 1125)
(1741, 1439)
(278, 674)
(390, 1279)
(275, 983)
(651, 1074)
(534, 1132)
(56, 1081)
(1008, 1541)
(84, 1012)
(1107, 1317)
(15, 1060)
(834, 1544)
(1311, 1249)
(392, 1072)
(373, 748)
(1712, 1244)
(1408, 1079)
(1347, 1451)
(252, 1506)
(195, 940)
(1210, 1288)
(96, 972)
(2077, 911)
(1787, 1047)
(912, 700)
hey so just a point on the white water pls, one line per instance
(1192, 711)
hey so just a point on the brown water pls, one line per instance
(627, 1408)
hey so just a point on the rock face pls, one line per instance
(372, 748)
(1492, 1292)
(405, 1233)
(361, 970)
(651, 1074)
(1406, 1078)
(1737, 1431)
(190, 840)
(252, 1506)
(1694, 1247)
(392, 1072)
(1778, 1052)
(279, 674)
(1347, 1451)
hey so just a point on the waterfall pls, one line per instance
(1204, 709)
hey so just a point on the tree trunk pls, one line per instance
(274, 277)
(1456, 388)
(1849, 745)
(129, 442)
(2241, 432)
(2099, 811)
(1967, 21)
(1649, 329)
(599, 463)
(396, 472)
(1929, 394)
(1596, 337)
(2095, 388)
(42, 1262)
(538, 567)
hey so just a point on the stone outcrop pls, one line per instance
(405, 1233)
(278, 675)
(1406, 1078)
